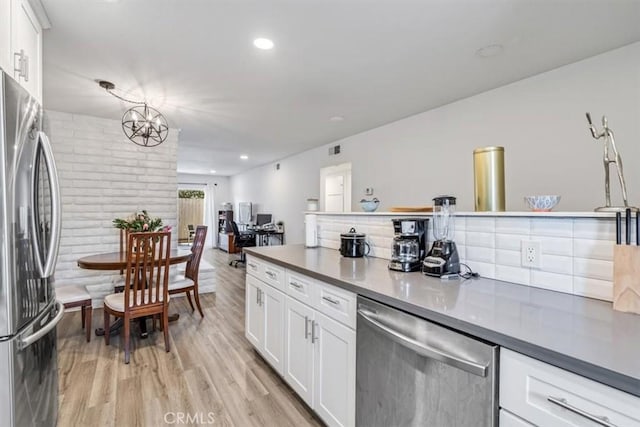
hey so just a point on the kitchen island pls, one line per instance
(581, 335)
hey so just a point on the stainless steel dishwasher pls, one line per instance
(412, 372)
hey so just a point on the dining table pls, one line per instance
(117, 261)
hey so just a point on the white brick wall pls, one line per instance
(102, 176)
(576, 252)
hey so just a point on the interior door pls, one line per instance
(334, 193)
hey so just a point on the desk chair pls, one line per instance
(241, 241)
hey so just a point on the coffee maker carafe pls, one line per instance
(443, 257)
(409, 244)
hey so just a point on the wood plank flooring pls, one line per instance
(212, 376)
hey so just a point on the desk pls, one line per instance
(117, 261)
(263, 237)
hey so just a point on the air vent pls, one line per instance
(334, 150)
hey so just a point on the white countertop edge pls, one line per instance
(479, 214)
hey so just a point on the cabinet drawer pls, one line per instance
(301, 287)
(548, 396)
(507, 419)
(273, 275)
(338, 304)
(253, 266)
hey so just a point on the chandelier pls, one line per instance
(142, 124)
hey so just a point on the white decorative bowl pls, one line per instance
(542, 203)
(369, 205)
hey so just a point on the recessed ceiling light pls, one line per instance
(490, 50)
(263, 43)
(212, 171)
(336, 118)
(244, 157)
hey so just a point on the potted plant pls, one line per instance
(138, 222)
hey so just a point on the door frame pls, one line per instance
(343, 169)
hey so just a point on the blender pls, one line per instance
(409, 244)
(443, 257)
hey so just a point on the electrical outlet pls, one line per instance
(368, 191)
(531, 256)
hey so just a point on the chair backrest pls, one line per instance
(197, 247)
(190, 227)
(236, 230)
(148, 260)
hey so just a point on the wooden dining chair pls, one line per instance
(188, 282)
(146, 277)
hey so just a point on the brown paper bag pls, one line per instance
(626, 278)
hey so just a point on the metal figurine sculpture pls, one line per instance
(611, 155)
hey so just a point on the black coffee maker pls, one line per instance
(443, 257)
(409, 244)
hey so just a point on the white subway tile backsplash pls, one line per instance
(510, 241)
(508, 258)
(553, 227)
(482, 224)
(594, 229)
(593, 249)
(476, 238)
(478, 253)
(576, 253)
(552, 281)
(557, 264)
(593, 268)
(483, 268)
(518, 275)
(593, 288)
(513, 226)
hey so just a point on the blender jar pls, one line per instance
(444, 210)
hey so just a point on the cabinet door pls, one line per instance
(5, 36)
(26, 35)
(274, 318)
(254, 313)
(335, 372)
(507, 419)
(299, 356)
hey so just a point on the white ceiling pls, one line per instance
(370, 61)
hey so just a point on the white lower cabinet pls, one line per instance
(307, 335)
(320, 363)
(264, 321)
(545, 395)
(507, 419)
(334, 372)
(299, 354)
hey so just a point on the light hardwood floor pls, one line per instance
(212, 373)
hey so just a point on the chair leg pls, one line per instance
(127, 333)
(196, 296)
(89, 316)
(165, 328)
(106, 327)
(83, 315)
(189, 299)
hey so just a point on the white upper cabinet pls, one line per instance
(21, 56)
(5, 36)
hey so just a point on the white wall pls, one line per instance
(104, 176)
(540, 122)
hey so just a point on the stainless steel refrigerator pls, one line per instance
(29, 240)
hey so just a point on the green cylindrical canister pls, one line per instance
(488, 172)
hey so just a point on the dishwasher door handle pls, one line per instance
(424, 350)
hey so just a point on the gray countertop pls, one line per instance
(582, 335)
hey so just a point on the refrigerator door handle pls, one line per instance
(26, 342)
(47, 267)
